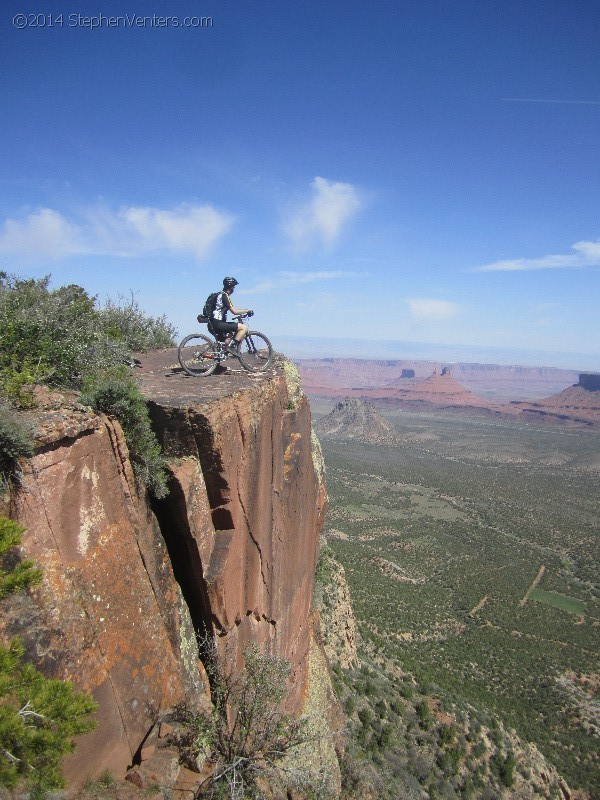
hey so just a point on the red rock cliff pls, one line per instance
(128, 583)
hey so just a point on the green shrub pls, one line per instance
(247, 735)
(116, 393)
(19, 377)
(38, 716)
(16, 440)
(51, 336)
(15, 574)
(365, 716)
(59, 336)
(405, 690)
(447, 734)
(325, 565)
(449, 760)
(424, 714)
(506, 770)
(139, 332)
(350, 705)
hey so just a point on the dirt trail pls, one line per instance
(474, 611)
(536, 581)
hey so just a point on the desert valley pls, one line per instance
(463, 509)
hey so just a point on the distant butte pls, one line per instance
(398, 384)
(441, 388)
(579, 403)
(496, 383)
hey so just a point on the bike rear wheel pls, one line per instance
(197, 355)
(256, 352)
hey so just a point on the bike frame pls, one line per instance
(217, 350)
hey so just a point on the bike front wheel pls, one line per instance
(256, 352)
(197, 355)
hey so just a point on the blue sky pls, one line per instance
(418, 171)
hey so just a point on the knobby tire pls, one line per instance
(196, 355)
(256, 352)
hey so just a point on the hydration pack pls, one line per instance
(209, 305)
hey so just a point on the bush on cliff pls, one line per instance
(248, 735)
(58, 336)
(61, 337)
(15, 574)
(127, 323)
(49, 336)
(116, 393)
(38, 716)
(16, 440)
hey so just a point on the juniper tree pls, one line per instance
(38, 715)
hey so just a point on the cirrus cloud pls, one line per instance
(129, 232)
(321, 219)
(586, 254)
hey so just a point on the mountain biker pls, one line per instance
(218, 318)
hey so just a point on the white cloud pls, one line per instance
(433, 310)
(45, 232)
(131, 231)
(587, 254)
(321, 220)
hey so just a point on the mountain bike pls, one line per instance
(200, 355)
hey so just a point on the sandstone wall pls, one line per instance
(590, 381)
(128, 584)
(245, 509)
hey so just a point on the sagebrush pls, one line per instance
(248, 735)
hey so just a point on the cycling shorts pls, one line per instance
(220, 328)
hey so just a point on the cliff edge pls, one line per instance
(130, 583)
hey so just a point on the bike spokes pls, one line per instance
(256, 352)
(197, 355)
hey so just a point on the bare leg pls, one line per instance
(241, 332)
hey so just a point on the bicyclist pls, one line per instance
(218, 319)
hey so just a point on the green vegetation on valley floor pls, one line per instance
(472, 553)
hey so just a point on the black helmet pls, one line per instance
(229, 283)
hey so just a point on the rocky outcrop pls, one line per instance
(109, 615)
(243, 515)
(338, 626)
(439, 391)
(354, 419)
(129, 584)
(322, 751)
(337, 622)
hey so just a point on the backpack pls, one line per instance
(209, 305)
